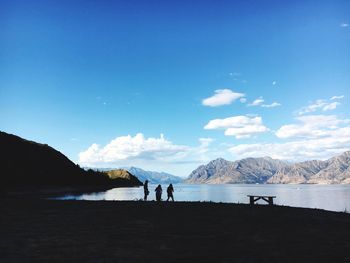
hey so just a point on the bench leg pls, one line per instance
(270, 201)
(251, 200)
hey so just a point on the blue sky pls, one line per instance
(170, 85)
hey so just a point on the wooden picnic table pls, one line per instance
(267, 198)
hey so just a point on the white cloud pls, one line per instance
(243, 100)
(257, 102)
(331, 106)
(201, 152)
(337, 97)
(205, 142)
(222, 97)
(324, 105)
(311, 126)
(336, 142)
(128, 147)
(236, 74)
(318, 104)
(238, 126)
(314, 137)
(344, 25)
(260, 102)
(148, 153)
(272, 105)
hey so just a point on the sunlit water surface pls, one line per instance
(329, 197)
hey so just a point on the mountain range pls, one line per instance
(335, 170)
(154, 177)
(143, 175)
(27, 163)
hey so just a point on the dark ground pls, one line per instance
(33, 230)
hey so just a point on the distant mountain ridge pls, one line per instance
(335, 170)
(152, 176)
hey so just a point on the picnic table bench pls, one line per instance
(267, 198)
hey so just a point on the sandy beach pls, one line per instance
(36, 230)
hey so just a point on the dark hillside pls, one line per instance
(27, 163)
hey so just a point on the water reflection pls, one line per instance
(329, 197)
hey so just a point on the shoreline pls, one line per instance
(54, 192)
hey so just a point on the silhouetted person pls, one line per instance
(170, 191)
(145, 190)
(158, 193)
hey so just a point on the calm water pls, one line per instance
(329, 197)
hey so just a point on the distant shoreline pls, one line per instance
(54, 192)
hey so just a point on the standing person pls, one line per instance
(145, 190)
(170, 191)
(159, 193)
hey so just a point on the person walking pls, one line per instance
(170, 191)
(159, 193)
(145, 190)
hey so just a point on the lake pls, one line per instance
(328, 197)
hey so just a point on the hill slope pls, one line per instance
(266, 170)
(27, 163)
(123, 174)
